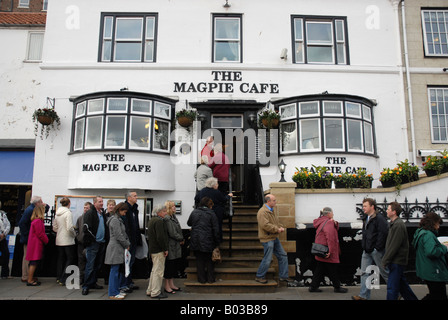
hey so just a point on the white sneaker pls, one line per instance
(117, 297)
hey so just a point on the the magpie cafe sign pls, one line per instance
(226, 82)
(101, 170)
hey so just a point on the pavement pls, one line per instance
(14, 289)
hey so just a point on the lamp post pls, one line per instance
(282, 167)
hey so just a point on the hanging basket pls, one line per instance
(274, 123)
(45, 120)
(185, 121)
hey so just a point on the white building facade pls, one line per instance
(119, 71)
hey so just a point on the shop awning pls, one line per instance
(16, 167)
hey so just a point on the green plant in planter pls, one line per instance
(185, 117)
(268, 119)
(404, 172)
(353, 180)
(48, 118)
(436, 165)
(316, 178)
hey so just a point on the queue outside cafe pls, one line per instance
(340, 109)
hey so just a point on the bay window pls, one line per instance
(121, 120)
(326, 123)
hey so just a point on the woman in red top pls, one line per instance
(36, 241)
(327, 234)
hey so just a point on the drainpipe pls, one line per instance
(408, 82)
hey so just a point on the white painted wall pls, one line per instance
(184, 47)
(20, 86)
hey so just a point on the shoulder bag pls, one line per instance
(318, 249)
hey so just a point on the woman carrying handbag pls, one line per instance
(327, 235)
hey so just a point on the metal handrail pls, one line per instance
(230, 213)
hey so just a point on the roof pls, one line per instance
(22, 18)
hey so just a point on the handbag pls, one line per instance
(317, 249)
(216, 255)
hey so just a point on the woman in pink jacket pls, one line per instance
(36, 241)
(327, 234)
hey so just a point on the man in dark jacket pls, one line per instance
(374, 235)
(396, 256)
(95, 236)
(133, 232)
(158, 248)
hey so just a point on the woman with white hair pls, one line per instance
(219, 200)
(203, 172)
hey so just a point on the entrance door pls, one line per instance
(233, 124)
(227, 130)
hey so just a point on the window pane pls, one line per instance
(334, 137)
(227, 121)
(107, 49)
(150, 27)
(94, 132)
(366, 113)
(107, 33)
(299, 52)
(161, 135)
(115, 131)
(79, 134)
(368, 137)
(125, 51)
(149, 51)
(309, 108)
(117, 104)
(140, 129)
(319, 32)
(298, 26)
(227, 51)
(288, 137)
(80, 109)
(353, 109)
(354, 131)
(141, 106)
(127, 29)
(95, 106)
(226, 28)
(36, 41)
(288, 111)
(310, 135)
(332, 108)
(320, 54)
(162, 110)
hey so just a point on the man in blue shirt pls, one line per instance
(95, 235)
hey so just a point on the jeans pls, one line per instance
(116, 280)
(397, 284)
(367, 259)
(273, 247)
(94, 260)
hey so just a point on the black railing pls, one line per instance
(230, 213)
(412, 211)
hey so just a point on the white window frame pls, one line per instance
(108, 117)
(23, 4)
(308, 115)
(83, 120)
(39, 46)
(319, 138)
(95, 112)
(293, 106)
(361, 135)
(128, 40)
(229, 40)
(117, 111)
(154, 133)
(425, 32)
(282, 137)
(445, 89)
(342, 134)
(86, 134)
(150, 126)
(141, 112)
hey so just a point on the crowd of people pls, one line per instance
(386, 246)
(108, 240)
